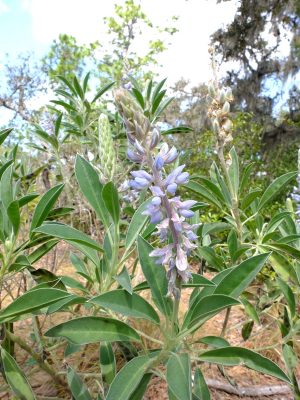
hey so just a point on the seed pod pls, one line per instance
(216, 127)
(222, 96)
(211, 90)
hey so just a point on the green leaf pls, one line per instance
(209, 255)
(288, 295)
(92, 330)
(200, 386)
(102, 91)
(42, 250)
(137, 223)
(245, 176)
(249, 198)
(4, 133)
(179, 376)
(78, 239)
(250, 309)
(214, 341)
(15, 377)
(274, 188)
(139, 97)
(247, 329)
(202, 191)
(111, 201)
(107, 362)
(231, 356)
(124, 303)
(155, 276)
(91, 188)
(124, 280)
(6, 189)
(4, 167)
(44, 206)
(78, 388)
(139, 392)
(128, 379)
(240, 277)
(30, 301)
(78, 88)
(233, 171)
(206, 307)
(27, 199)
(285, 248)
(13, 214)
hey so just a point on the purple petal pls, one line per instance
(182, 178)
(187, 204)
(156, 201)
(159, 162)
(172, 188)
(186, 213)
(133, 156)
(141, 174)
(156, 191)
(171, 156)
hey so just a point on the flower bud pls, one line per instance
(226, 107)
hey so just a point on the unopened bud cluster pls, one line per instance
(219, 112)
(107, 154)
(165, 209)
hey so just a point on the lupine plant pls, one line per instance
(109, 308)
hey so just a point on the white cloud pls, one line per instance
(186, 56)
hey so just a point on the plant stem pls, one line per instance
(43, 364)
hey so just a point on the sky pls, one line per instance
(32, 25)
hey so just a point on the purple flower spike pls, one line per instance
(172, 188)
(173, 175)
(182, 178)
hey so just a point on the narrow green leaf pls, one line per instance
(202, 191)
(15, 377)
(91, 188)
(240, 277)
(6, 189)
(27, 199)
(200, 386)
(4, 133)
(111, 201)
(128, 379)
(214, 341)
(102, 91)
(31, 301)
(13, 214)
(107, 362)
(44, 206)
(247, 329)
(78, 88)
(78, 388)
(206, 307)
(93, 329)
(78, 239)
(137, 223)
(231, 356)
(124, 303)
(234, 172)
(288, 295)
(124, 280)
(274, 188)
(179, 376)
(4, 167)
(155, 276)
(139, 392)
(42, 250)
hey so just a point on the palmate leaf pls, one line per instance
(128, 379)
(93, 329)
(15, 377)
(231, 356)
